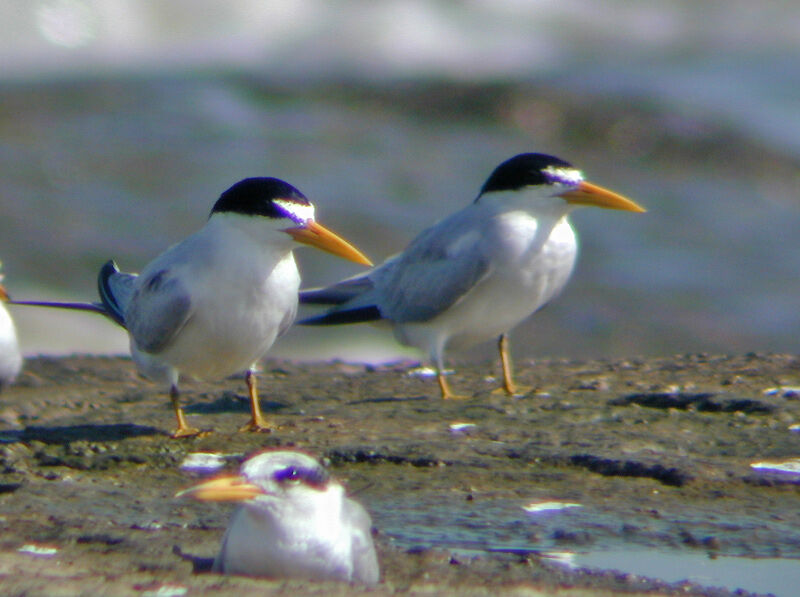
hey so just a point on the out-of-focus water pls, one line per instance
(122, 122)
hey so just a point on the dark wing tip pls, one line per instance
(107, 297)
(359, 315)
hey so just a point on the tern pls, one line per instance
(10, 356)
(295, 521)
(482, 270)
(213, 304)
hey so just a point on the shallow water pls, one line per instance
(600, 540)
(777, 576)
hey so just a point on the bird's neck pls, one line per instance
(552, 208)
(257, 230)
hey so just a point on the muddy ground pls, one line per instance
(658, 451)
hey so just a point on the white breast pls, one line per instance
(533, 262)
(10, 357)
(240, 318)
(243, 293)
(287, 542)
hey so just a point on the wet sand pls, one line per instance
(658, 450)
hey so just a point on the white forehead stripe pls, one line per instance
(297, 211)
(570, 176)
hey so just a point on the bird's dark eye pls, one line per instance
(292, 474)
(287, 474)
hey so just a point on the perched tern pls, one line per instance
(10, 356)
(213, 304)
(295, 521)
(479, 272)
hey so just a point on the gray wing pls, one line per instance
(442, 265)
(122, 287)
(365, 560)
(339, 293)
(159, 307)
(439, 267)
(350, 289)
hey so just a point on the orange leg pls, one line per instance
(508, 387)
(257, 421)
(183, 429)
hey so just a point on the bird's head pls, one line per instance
(545, 176)
(285, 209)
(272, 474)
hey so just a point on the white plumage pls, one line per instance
(10, 355)
(213, 304)
(479, 272)
(294, 521)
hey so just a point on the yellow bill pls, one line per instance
(592, 194)
(222, 489)
(317, 235)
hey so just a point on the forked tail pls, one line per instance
(109, 304)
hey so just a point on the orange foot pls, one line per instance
(258, 426)
(182, 432)
(515, 390)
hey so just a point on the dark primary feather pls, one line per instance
(105, 288)
(91, 307)
(336, 317)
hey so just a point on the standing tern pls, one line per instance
(482, 270)
(213, 304)
(295, 521)
(10, 356)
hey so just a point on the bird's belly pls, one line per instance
(504, 299)
(492, 310)
(218, 350)
(216, 343)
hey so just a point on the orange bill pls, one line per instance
(592, 194)
(3, 293)
(222, 489)
(317, 235)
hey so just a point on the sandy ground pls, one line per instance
(660, 448)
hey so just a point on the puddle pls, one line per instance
(779, 576)
(597, 536)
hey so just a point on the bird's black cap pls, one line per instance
(254, 197)
(526, 169)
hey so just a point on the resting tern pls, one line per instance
(480, 271)
(10, 356)
(213, 304)
(294, 521)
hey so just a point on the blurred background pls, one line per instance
(123, 120)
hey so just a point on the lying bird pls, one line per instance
(479, 272)
(295, 521)
(213, 304)
(10, 356)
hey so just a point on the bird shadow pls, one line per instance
(200, 564)
(230, 402)
(71, 433)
